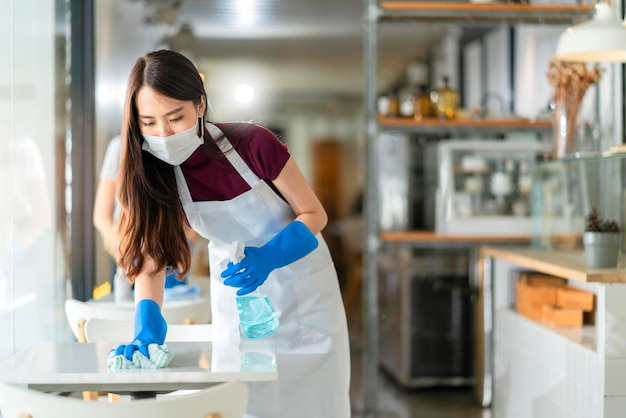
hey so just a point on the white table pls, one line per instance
(68, 367)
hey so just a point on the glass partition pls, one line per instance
(565, 190)
(32, 115)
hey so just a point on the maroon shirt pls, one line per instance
(214, 178)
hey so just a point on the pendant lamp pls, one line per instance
(601, 38)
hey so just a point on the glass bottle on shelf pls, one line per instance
(447, 101)
(407, 106)
(421, 104)
(501, 185)
(406, 99)
(382, 105)
(433, 96)
(394, 104)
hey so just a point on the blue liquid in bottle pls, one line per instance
(257, 318)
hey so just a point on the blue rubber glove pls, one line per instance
(292, 243)
(170, 273)
(150, 328)
(171, 280)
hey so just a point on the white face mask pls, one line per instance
(173, 149)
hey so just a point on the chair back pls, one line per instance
(225, 400)
(196, 311)
(78, 312)
(107, 330)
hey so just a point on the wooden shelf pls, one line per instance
(460, 170)
(567, 264)
(456, 124)
(483, 13)
(432, 237)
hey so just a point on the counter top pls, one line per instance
(567, 264)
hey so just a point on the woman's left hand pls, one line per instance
(292, 243)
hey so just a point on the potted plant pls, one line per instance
(602, 241)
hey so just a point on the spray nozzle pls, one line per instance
(236, 251)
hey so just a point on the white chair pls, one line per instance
(107, 330)
(77, 313)
(175, 312)
(225, 400)
(194, 311)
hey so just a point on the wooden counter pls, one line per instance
(567, 264)
(526, 368)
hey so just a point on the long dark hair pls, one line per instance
(152, 219)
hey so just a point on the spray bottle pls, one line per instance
(257, 318)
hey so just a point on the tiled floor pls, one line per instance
(397, 402)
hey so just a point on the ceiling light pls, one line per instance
(164, 12)
(244, 93)
(602, 38)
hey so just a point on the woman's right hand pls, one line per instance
(150, 328)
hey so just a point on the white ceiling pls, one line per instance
(310, 48)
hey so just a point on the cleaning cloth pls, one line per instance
(160, 356)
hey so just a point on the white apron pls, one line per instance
(313, 354)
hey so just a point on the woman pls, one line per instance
(230, 182)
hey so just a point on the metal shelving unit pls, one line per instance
(461, 13)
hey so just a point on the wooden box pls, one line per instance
(572, 298)
(540, 279)
(535, 295)
(561, 317)
(529, 311)
(533, 290)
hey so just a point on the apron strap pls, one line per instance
(183, 190)
(233, 157)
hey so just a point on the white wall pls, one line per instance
(445, 59)
(498, 70)
(534, 48)
(472, 85)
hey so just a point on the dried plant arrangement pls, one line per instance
(595, 223)
(602, 240)
(570, 81)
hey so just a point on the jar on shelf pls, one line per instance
(394, 104)
(407, 106)
(447, 101)
(433, 95)
(382, 105)
(421, 103)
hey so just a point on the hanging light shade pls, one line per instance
(602, 38)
